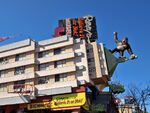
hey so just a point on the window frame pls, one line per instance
(19, 57)
(19, 70)
(57, 51)
(44, 80)
(57, 78)
(43, 67)
(21, 82)
(4, 60)
(59, 64)
(3, 87)
(60, 77)
(43, 54)
(3, 73)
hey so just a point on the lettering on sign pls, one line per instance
(75, 28)
(42, 105)
(68, 28)
(68, 100)
(81, 28)
(88, 26)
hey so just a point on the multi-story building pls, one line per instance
(52, 75)
(127, 105)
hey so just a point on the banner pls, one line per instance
(68, 100)
(60, 101)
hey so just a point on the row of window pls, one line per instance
(58, 78)
(18, 71)
(46, 53)
(41, 80)
(41, 67)
(57, 64)
(20, 57)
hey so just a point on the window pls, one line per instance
(3, 73)
(89, 50)
(60, 78)
(57, 78)
(19, 70)
(19, 84)
(90, 59)
(20, 57)
(3, 60)
(58, 64)
(40, 55)
(43, 67)
(57, 51)
(43, 54)
(3, 87)
(43, 80)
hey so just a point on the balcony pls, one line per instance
(55, 57)
(17, 77)
(56, 71)
(17, 64)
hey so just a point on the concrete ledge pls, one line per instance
(15, 45)
(53, 91)
(53, 40)
(14, 100)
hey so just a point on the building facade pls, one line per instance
(34, 76)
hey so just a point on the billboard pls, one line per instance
(68, 100)
(61, 101)
(82, 27)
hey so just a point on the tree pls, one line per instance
(141, 96)
(116, 88)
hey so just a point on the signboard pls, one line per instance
(68, 100)
(60, 101)
(82, 27)
(41, 105)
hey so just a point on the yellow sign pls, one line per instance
(41, 105)
(68, 100)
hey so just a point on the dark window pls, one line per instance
(57, 78)
(3, 73)
(19, 84)
(57, 51)
(3, 61)
(90, 59)
(59, 64)
(43, 80)
(20, 57)
(3, 87)
(17, 58)
(89, 50)
(43, 54)
(40, 55)
(43, 67)
(19, 70)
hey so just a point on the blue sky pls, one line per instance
(38, 18)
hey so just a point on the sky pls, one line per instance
(37, 19)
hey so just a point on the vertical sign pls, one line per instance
(82, 27)
(68, 28)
